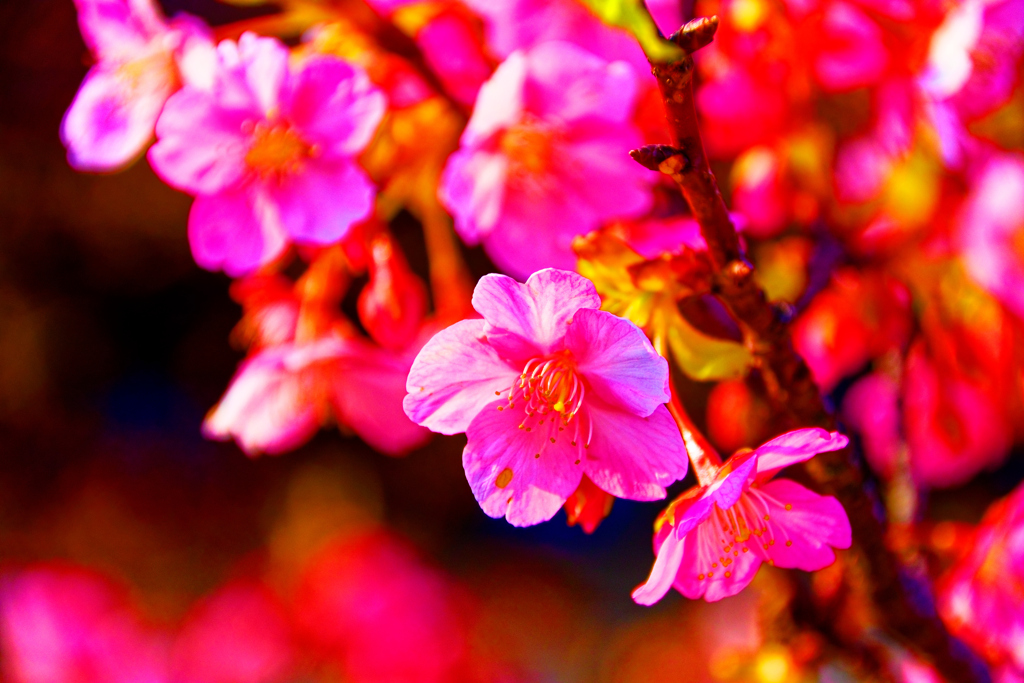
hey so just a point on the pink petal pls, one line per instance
(733, 479)
(500, 102)
(268, 407)
(114, 29)
(663, 573)
(368, 390)
(530, 237)
(201, 148)
(504, 470)
(454, 376)
(539, 310)
(112, 117)
(702, 552)
(633, 457)
(473, 189)
(856, 54)
(237, 231)
(333, 104)
(594, 173)
(793, 447)
(569, 83)
(264, 63)
(804, 526)
(321, 202)
(617, 361)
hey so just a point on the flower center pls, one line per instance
(549, 385)
(155, 69)
(276, 149)
(529, 147)
(744, 527)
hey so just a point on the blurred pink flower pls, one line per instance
(545, 157)
(991, 230)
(283, 394)
(453, 49)
(981, 597)
(240, 634)
(394, 302)
(67, 625)
(871, 407)
(141, 59)
(268, 151)
(548, 388)
(711, 541)
(370, 603)
(954, 428)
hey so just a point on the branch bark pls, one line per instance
(791, 386)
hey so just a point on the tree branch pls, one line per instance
(791, 386)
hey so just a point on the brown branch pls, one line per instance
(792, 388)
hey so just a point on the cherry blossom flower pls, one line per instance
(711, 540)
(283, 394)
(268, 152)
(60, 624)
(548, 388)
(980, 599)
(141, 59)
(544, 157)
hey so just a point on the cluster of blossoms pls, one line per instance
(864, 147)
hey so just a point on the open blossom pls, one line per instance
(268, 151)
(548, 388)
(545, 157)
(141, 59)
(711, 540)
(981, 598)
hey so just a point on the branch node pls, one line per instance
(665, 158)
(695, 34)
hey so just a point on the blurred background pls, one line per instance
(114, 344)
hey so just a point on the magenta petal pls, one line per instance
(113, 29)
(112, 118)
(506, 474)
(368, 390)
(663, 573)
(732, 479)
(793, 447)
(804, 526)
(473, 189)
(633, 457)
(454, 376)
(617, 361)
(264, 62)
(539, 310)
(200, 147)
(319, 204)
(236, 231)
(569, 83)
(266, 408)
(333, 104)
(499, 103)
(702, 550)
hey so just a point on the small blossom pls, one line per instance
(711, 540)
(141, 59)
(548, 389)
(544, 157)
(268, 152)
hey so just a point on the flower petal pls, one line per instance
(112, 118)
(702, 572)
(539, 310)
(618, 362)
(267, 408)
(237, 231)
(320, 203)
(631, 456)
(473, 189)
(333, 104)
(454, 376)
(115, 29)
(805, 526)
(663, 573)
(499, 103)
(516, 473)
(264, 63)
(793, 447)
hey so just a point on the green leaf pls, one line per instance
(705, 358)
(634, 17)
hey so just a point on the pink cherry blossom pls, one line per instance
(268, 151)
(548, 388)
(980, 599)
(711, 540)
(991, 230)
(61, 624)
(545, 157)
(141, 59)
(283, 394)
